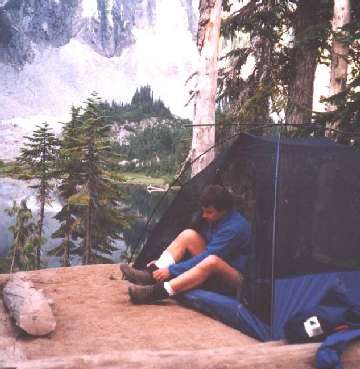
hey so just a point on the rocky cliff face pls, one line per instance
(26, 23)
(54, 53)
(106, 25)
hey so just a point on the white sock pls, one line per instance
(169, 289)
(165, 260)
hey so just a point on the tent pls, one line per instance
(302, 197)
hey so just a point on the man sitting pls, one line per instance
(214, 247)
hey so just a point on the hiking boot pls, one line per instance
(147, 294)
(135, 276)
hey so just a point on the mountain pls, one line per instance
(54, 53)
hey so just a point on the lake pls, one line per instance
(137, 201)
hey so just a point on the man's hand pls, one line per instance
(162, 274)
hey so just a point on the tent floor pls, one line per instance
(97, 327)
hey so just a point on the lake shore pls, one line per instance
(9, 170)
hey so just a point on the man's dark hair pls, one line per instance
(218, 197)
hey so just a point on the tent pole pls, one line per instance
(277, 160)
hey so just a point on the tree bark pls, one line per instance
(41, 224)
(88, 234)
(28, 307)
(269, 355)
(66, 249)
(67, 238)
(339, 54)
(42, 205)
(204, 114)
(304, 59)
(15, 255)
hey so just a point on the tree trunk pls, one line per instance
(269, 355)
(41, 224)
(67, 239)
(304, 59)
(42, 203)
(28, 307)
(339, 54)
(208, 46)
(15, 255)
(66, 250)
(88, 235)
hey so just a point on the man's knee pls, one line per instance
(192, 240)
(211, 262)
(189, 234)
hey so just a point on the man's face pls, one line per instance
(212, 215)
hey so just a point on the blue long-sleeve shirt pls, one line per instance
(228, 238)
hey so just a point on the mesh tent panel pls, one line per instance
(317, 214)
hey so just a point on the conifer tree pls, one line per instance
(263, 23)
(288, 40)
(25, 237)
(68, 166)
(38, 157)
(311, 27)
(98, 191)
(344, 105)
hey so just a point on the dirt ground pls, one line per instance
(94, 316)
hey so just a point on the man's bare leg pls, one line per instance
(188, 240)
(212, 265)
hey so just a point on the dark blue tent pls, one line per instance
(302, 197)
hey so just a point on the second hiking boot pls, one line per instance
(136, 276)
(147, 294)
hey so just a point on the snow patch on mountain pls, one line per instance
(161, 52)
(64, 76)
(53, 61)
(89, 9)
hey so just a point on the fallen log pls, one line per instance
(251, 357)
(28, 306)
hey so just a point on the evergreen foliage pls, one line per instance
(68, 167)
(38, 157)
(347, 103)
(84, 166)
(159, 149)
(90, 187)
(22, 255)
(142, 106)
(280, 37)
(248, 99)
